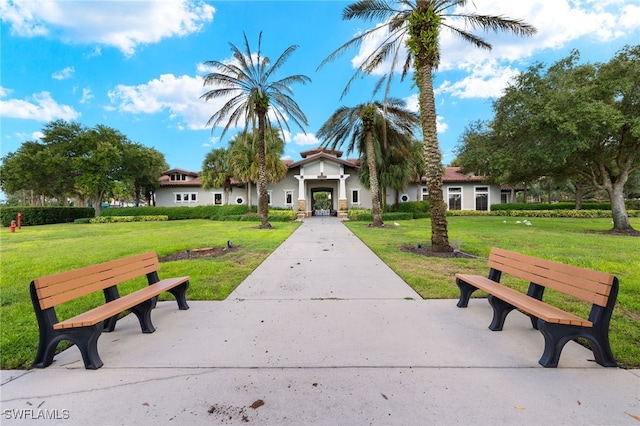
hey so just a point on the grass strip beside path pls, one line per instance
(38, 251)
(579, 242)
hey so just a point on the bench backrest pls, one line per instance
(584, 284)
(55, 289)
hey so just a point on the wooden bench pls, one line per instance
(85, 328)
(556, 325)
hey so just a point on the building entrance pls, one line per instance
(322, 202)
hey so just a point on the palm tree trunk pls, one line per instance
(432, 159)
(263, 195)
(249, 189)
(373, 182)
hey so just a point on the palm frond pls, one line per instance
(368, 10)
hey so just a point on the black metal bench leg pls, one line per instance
(110, 324)
(86, 339)
(46, 349)
(602, 349)
(466, 290)
(500, 311)
(555, 337)
(180, 293)
(143, 312)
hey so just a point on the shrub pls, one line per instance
(472, 213)
(179, 212)
(44, 215)
(414, 207)
(114, 219)
(274, 216)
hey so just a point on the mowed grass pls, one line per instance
(579, 242)
(38, 251)
(44, 250)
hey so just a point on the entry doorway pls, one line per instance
(322, 202)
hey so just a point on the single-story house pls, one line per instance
(324, 170)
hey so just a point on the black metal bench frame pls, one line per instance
(84, 329)
(557, 326)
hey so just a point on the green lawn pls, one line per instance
(43, 250)
(579, 242)
(38, 251)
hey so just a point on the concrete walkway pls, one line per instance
(323, 332)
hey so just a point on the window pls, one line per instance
(217, 198)
(505, 197)
(404, 198)
(455, 198)
(177, 176)
(239, 200)
(425, 193)
(355, 197)
(288, 198)
(482, 198)
(185, 197)
(269, 197)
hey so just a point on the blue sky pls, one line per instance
(136, 66)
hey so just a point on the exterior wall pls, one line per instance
(323, 173)
(468, 194)
(166, 196)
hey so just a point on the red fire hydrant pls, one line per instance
(19, 220)
(13, 226)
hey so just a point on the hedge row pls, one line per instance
(179, 213)
(630, 205)
(114, 219)
(226, 213)
(580, 214)
(44, 215)
(365, 215)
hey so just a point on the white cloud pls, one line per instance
(484, 80)
(180, 96)
(306, 139)
(86, 96)
(559, 23)
(109, 23)
(41, 107)
(63, 74)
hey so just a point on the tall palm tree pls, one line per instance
(364, 126)
(414, 26)
(252, 95)
(243, 157)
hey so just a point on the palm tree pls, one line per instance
(414, 26)
(216, 171)
(364, 126)
(252, 94)
(243, 158)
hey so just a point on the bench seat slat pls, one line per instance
(117, 306)
(522, 301)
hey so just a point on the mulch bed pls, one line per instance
(425, 250)
(199, 253)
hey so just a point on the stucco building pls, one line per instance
(324, 170)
